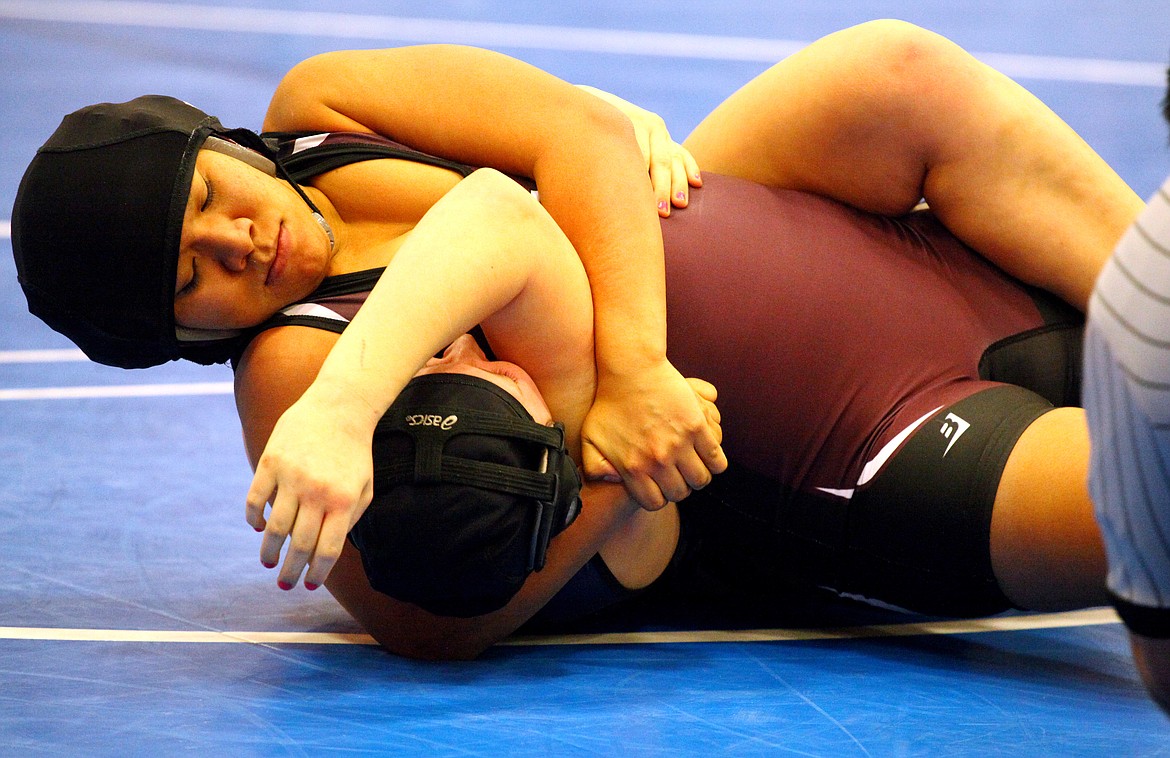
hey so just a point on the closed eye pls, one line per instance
(506, 373)
(190, 285)
(210, 194)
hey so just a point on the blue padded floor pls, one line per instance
(136, 620)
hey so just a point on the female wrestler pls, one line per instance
(879, 116)
(840, 380)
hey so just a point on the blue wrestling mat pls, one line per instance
(136, 619)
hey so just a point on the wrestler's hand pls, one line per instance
(657, 433)
(317, 471)
(673, 170)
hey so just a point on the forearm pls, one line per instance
(614, 226)
(469, 258)
(486, 109)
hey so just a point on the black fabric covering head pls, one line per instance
(96, 227)
(468, 491)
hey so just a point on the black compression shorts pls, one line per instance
(917, 535)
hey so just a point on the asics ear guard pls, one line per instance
(468, 493)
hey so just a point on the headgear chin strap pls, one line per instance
(261, 162)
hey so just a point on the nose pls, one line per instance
(227, 241)
(463, 350)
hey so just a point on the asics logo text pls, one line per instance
(432, 419)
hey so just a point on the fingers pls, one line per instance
(258, 496)
(703, 389)
(680, 185)
(652, 493)
(709, 448)
(695, 472)
(676, 481)
(595, 466)
(714, 459)
(691, 167)
(662, 179)
(673, 171)
(314, 528)
(650, 484)
(314, 547)
(315, 541)
(279, 526)
(655, 481)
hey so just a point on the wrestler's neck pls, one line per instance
(359, 244)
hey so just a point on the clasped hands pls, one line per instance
(656, 432)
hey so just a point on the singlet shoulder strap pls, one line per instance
(305, 155)
(308, 154)
(313, 313)
(310, 311)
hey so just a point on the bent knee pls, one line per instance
(910, 73)
(903, 50)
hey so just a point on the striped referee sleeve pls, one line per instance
(1127, 399)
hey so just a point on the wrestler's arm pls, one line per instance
(473, 247)
(486, 254)
(487, 109)
(274, 372)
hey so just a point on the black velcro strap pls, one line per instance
(430, 465)
(481, 474)
(487, 424)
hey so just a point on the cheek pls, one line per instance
(535, 404)
(222, 305)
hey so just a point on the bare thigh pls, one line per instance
(1046, 550)
(884, 114)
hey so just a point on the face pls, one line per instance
(465, 357)
(248, 248)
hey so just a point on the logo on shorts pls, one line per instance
(953, 428)
(432, 419)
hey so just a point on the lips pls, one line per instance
(278, 258)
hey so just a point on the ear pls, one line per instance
(241, 153)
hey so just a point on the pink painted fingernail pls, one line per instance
(258, 528)
(284, 585)
(662, 205)
(310, 586)
(680, 196)
(267, 565)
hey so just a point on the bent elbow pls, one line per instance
(501, 198)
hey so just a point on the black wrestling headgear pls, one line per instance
(468, 491)
(96, 227)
